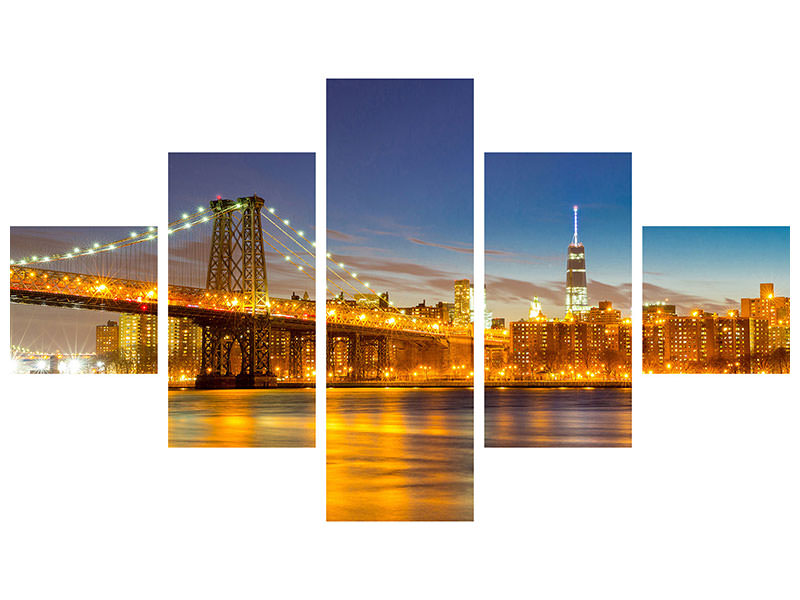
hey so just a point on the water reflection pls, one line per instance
(399, 454)
(272, 418)
(537, 417)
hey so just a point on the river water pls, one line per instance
(546, 417)
(399, 454)
(272, 418)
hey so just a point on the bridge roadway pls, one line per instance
(29, 285)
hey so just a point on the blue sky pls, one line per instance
(528, 227)
(713, 267)
(400, 183)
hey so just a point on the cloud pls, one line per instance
(505, 290)
(342, 237)
(435, 245)
(683, 302)
(619, 295)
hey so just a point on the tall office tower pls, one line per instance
(577, 297)
(107, 341)
(185, 348)
(138, 343)
(463, 302)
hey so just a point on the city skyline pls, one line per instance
(286, 182)
(712, 268)
(529, 200)
(50, 329)
(400, 184)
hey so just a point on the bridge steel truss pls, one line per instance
(237, 267)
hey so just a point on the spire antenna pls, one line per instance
(575, 220)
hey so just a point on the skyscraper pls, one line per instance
(138, 343)
(577, 296)
(462, 315)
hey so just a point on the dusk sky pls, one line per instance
(528, 227)
(400, 184)
(286, 182)
(48, 329)
(713, 268)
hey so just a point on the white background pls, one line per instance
(95, 95)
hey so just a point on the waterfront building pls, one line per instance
(107, 341)
(185, 347)
(138, 343)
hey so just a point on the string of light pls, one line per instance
(185, 222)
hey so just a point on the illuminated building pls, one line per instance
(372, 300)
(703, 342)
(138, 343)
(535, 309)
(498, 323)
(577, 296)
(107, 341)
(572, 347)
(423, 310)
(775, 310)
(185, 346)
(462, 310)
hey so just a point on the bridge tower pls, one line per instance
(236, 264)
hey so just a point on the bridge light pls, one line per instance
(204, 219)
(271, 210)
(200, 209)
(151, 229)
(90, 251)
(12, 262)
(96, 245)
(341, 265)
(355, 274)
(188, 226)
(45, 259)
(327, 254)
(112, 247)
(286, 221)
(184, 216)
(170, 231)
(299, 268)
(76, 249)
(313, 244)
(287, 257)
(35, 258)
(300, 233)
(133, 234)
(361, 317)
(366, 284)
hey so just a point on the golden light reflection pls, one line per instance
(399, 454)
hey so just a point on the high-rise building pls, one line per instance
(462, 313)
(107, 341)
(577, 296)
(185, 344)
(138, 343)
(775, 310)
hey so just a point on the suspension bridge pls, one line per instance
(218, 281)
